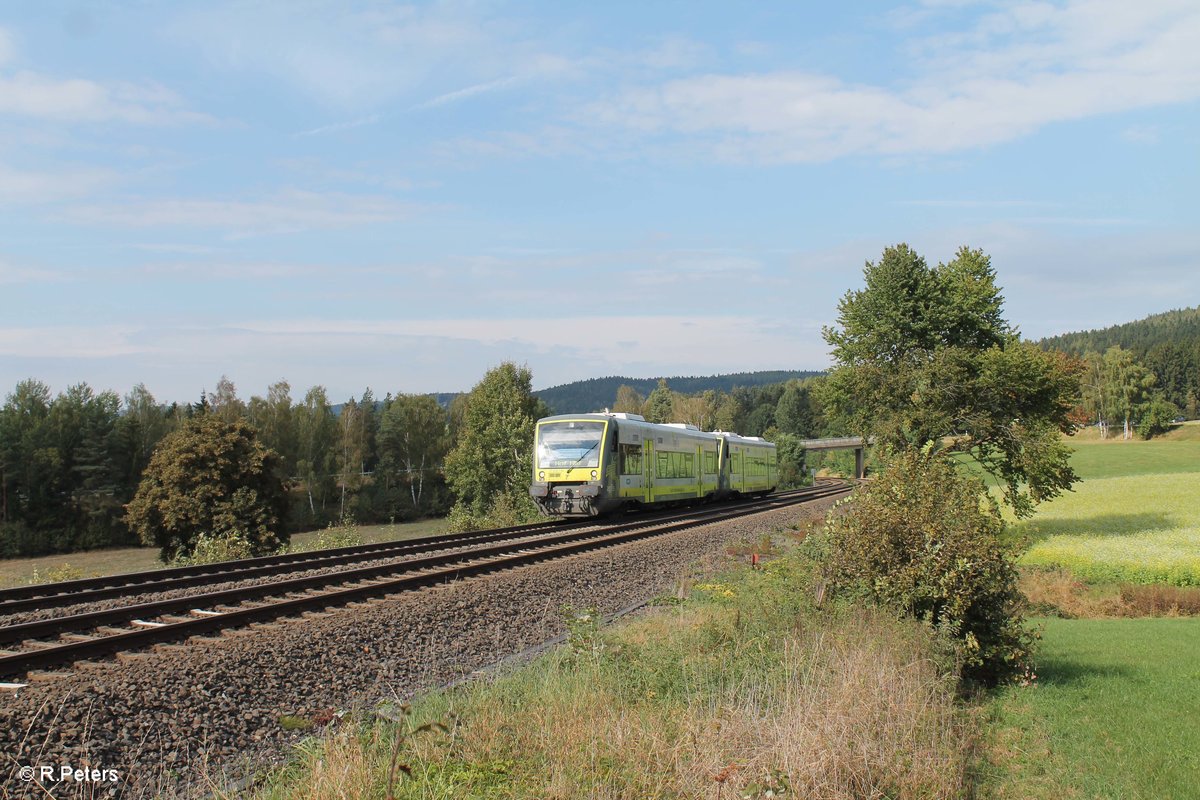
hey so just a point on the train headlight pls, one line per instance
(541, 476)
(595, 474)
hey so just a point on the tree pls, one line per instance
(794, 413)
(923, 355)
(273, 418)
(224, 401)
(1129, 387)
(317, 431)
(628, 400)
(727, 414)
(352, 449)
(660, 403)
(210, 478)
(696, 409)
(492, 462)
(413, 440)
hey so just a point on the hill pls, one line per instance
(1167, 343)
(595, 394)
(1141, 336)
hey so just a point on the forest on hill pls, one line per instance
(1167, 344)
(595, 394)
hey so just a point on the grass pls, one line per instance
(1134, 518)
(114, 561)
(1097, 459)
(743, 690)
(1136, 529)
(1112, 715)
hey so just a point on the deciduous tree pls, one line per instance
(215, 478)
(924, 355)
(492, 461)
(413, 439)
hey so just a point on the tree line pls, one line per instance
(69, 464)
(1166, 345)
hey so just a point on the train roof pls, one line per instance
(684, 426)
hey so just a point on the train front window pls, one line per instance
(563, 445)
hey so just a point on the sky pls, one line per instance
(402, 196)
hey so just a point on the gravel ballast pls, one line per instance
(171, 719)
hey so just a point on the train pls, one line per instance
(588, 465)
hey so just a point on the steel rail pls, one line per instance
(414, 573)
(49, 595)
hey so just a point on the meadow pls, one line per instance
(1112, 714)
(118, 560)
(1112, 711)
(1134, 518)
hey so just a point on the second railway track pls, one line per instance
(62, 641)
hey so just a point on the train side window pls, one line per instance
(710, 462)
(631, 459)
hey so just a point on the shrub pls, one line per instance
(63, 572)
(920, 538)
(211, 478)
(211, 549)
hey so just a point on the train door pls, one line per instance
(648, 467)
(699, 470)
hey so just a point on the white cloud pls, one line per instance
(350, 60)
(11, 273)
(681, 340)
(7, 49)
(31, 94)
(22, 187)
(1018, 70)
(284, 212)
(70, 341)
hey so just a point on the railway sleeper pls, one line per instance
(37, 644)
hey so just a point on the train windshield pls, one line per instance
(562, 445)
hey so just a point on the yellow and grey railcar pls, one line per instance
(749, 466)
(590, 464)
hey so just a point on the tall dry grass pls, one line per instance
(849, 705)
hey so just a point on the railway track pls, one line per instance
(56, 643)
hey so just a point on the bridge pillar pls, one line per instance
(858, 462)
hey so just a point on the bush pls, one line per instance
(211, 549)
(210, 478)
(506, 512)
(920, 538)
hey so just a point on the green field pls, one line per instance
(1112, 712)
(1112, 715)
(1135, 516)
(114, 561)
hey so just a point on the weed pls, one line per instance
(293, 723)
(63, 572)
(583, 631)
(212, 549)
(403, 733)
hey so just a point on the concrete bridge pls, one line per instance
(854, 443)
